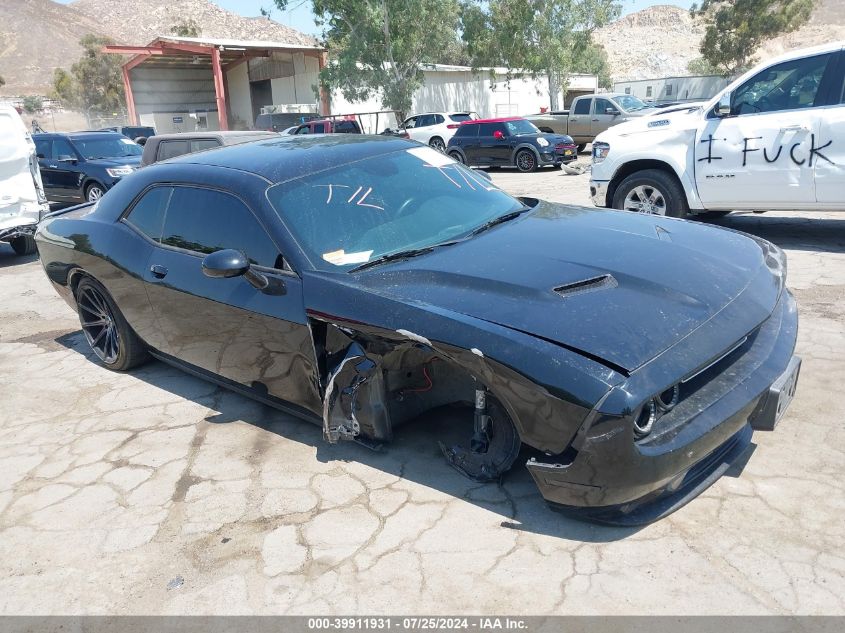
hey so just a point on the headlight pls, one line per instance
(600, 151)
(118, 172)
(542, 142)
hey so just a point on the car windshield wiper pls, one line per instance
(501, 219)
(389, 257)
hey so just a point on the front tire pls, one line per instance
(581, 147)
(23, 245)
(651, 191)
(437, 143)
(107, 332)
(526, 161)
(94, 192)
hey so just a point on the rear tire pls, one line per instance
(581, 147)
(437, 143)
(458, 157)
(651, 191)
(23, 245)
(107, 332)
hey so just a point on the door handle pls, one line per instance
(795, 128)
(52, 166)
(158, 271)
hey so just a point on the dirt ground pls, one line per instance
(155, 492)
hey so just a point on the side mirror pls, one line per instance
(723, 108)
(225, 264)
(611, 111)
(230, 263)
(498, 135)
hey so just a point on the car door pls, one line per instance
(492, 150)
(468, 139)
(422, 128)
(763, 155)
(601, 120)
(67, 171)
(579, 119)
(829, 175)
(227, 327)
(44, 152)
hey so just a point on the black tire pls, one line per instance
(23, 245)
(107, 332)
(94, 191)
(655, 185)
(581, 147)
(525, 161)
(457, 156)
(435, 142)
(710, 215)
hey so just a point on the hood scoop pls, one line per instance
(602, 282)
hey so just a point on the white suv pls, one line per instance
(436, 128)
(772, 140)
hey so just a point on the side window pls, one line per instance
(319, 128)
(467, 131)
(170, 149)
(346, 127)
(199, 144)
(486, 129)
(425, 120)
(787, 86)
(668, 90)
(411, 123)
(43, 148)
(148, 213)
(648, 92)
(205, 221)
(600, 106)
(62, 149)
(438, 119)
(303, 129)
(582, 106)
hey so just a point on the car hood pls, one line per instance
(657, 122)
(553, 139)
(132, 161)
(615, 286)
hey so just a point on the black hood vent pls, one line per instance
(602, 282)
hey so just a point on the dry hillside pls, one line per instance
(667, 39)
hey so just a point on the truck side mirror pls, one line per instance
(723, 108)
(611, 111)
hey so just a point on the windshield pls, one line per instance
(408, 199)
(521, 126)
(631, 104)
(109, 147)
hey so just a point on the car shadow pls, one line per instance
(8, 257)
(414, 454)
(795, 232)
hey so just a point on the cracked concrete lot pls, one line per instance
(116, 486)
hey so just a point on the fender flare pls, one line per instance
(522, 146)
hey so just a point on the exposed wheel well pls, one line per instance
(634, 166)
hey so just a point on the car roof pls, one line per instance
(227, 136)
(287, 157)
(82, 134)
(496, 120)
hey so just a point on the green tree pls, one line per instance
(378, 47)
(541, 37)
(700, 66)
(94, 83)
(592, 60)
(735, 29)
(32, 104)
(186, 28)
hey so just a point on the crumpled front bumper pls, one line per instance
(614, 479)
(598, 193)
(20, 219)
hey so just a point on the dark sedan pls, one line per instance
(359, 281)
(82, 166)
(509, 142)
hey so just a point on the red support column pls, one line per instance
(324, 95)
(219, 89)
(130, 98)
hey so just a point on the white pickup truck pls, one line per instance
(772, 140)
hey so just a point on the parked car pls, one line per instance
(22, 201)
(82, 166)
(769, 141)
(401, 282)
(436, 128)
(166, 146)
(590, 115)
(329, 126)
(510, 141)
(279, 121)
(138, 133)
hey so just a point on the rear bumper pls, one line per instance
(614, 479)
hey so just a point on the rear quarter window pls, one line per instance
(148, 213)
(467, 130)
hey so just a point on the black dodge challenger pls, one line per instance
(360, 281)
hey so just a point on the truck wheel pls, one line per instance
(23, 245)
(651, 191)
(581, 147)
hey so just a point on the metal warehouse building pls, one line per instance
(693, 88)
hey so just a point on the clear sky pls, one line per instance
(299, 14)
